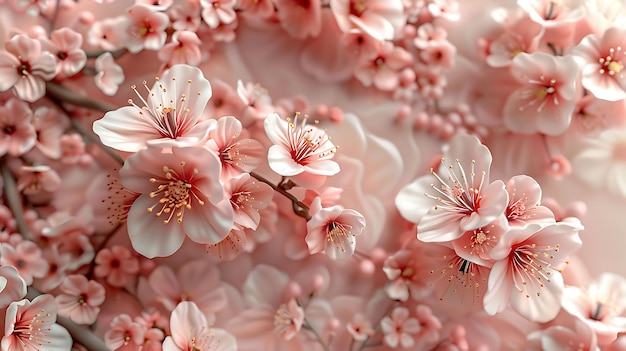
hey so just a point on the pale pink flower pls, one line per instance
(197, 281)
(73, 150)
(17, 133)
(26, 258)
(217, 12)
(109, 75)
(256, 8)
(12, 286)
(183, 48)
(25, 68)
(233, 245)
(527, 273)
(116, 265)
(333, 230)
(247, 197)
(551, 13)
(457, 197)
(524, 202)
(224, 102)
(545, 100)
(360, 328)
(124, 334)
(288, 320)
(257, 101)
(181, 196)
(80, 299)
(37, 179)
(299, 148)
(30, 7)
(300, 19)
(159, 5)
(521, 36)
(602, 163)
(429, 324)
(603, 60)
(108, 33)
(169, 117)
(236, 152)
(383, 71)
(600, 305)
(407, 275)
(559, 337)
(185, 15)
(191, 331)
(65, 44)
(398, 328)
(30, 326)
(382, 19)
(49, 125)
(145, 29)
(476, 245)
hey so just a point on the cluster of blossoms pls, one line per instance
(311, 175)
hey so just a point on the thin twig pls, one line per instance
(14, 200)
(299, 208)
(115, 53)
(58, 92)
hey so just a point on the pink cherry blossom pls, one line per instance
(216, 12)
(299, 148)
(457, 197)
(197, 281)
(12, 286)
(545, 100)
(236, 152)
(559, 337)
(360, 328)
(30, 326)
(25, 68)
(333, 230)
(288, 320)
(181, 195)
(476, 245)
(109, 75)
(145, 29)
(49, 125)
(37, 179)
(65, 44)
(551, 13)
(185, 15)
(80, 299)
(602, 163)
(191, 331)
(26, 258)
(382, 19)
(407, 275)
(599, 305)
(184, 48)
(124, 334)
(521, 36)
(116, 265)
(17, 135)
(383, 71)
(300, 19)
(108, 33)
(247, 197)
(603, 62)
(169, 116)
(527, 273)
(524, 202)
(399, 328)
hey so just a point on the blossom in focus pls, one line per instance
(333, 230)
(299, 147)
(25, 67)
(191, 331)
(181, 196)
(168, 116)
(66, 44)
(545, 99)
(527, 272)
(603, 60)
(524, 202)
(30, 326)
(457, 197)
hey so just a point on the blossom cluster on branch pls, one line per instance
(220, 175)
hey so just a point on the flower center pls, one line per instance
(336, 233)
(357, 7)
(532, 265)
(609, 64)
(175, 195)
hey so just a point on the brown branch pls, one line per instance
(299, 208)
(60, 93)
(14, 200)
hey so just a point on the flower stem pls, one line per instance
(299, 208)
(14, 200)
